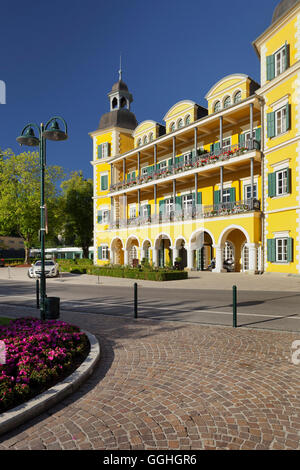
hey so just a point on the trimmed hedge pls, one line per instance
(135, 273)
(81, 266)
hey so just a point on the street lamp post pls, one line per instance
(49, 131)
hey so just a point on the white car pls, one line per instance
(51, 269)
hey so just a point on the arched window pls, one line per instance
(180, 123)
(123, 102)
(227, 102)
(114, 103)
(139, 142)
(145, 140)
(172, 127)
(150, 136)
(217, 106)
(188, 120)
(238, 97)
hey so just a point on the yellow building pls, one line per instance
(217, 183)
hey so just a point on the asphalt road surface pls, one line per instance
(256, 309)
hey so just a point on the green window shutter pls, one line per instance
(290, 250)
(194, 153)
(149, 210)
(133, 175)
(162, 206)
(242, 140)
(128, 177)
(232, 195)
(99, 151)
(271, 125)
(212, 147)
(272, 184)
(258, 134)
(100, 252)
(170, 162)
(104, 182)
(288, 117)
(99, 217)
(289, 181)
(287, 55)
(217, 197)
(178, 203)
(271, 250)
(270, 67)
(217, 147)
(199, 198)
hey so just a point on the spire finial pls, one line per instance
(120, 71)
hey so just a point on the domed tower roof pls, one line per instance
(120, 115)
(283, 7)
(119, 86)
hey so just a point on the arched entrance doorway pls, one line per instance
(202, 247)
(233, 247)
(132, 251)
(117, 251)
(180, 252)
(163, 249)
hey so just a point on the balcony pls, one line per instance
(190, 162)
(189, 214)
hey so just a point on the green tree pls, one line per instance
(77, 211)
(20, 196)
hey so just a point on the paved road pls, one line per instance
(256, 309)
(173, 385)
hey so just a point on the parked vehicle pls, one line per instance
(2, 263)
(228, 264)
(51, 269)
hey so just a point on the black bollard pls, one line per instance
(234, 306)
(135, 300)
(37, 293)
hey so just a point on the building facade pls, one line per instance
(213, 183)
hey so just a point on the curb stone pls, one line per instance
(15, 417)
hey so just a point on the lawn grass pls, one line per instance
(5, 320)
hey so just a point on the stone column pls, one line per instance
(155, 257)
(252, 247)
(219, 259)
(190, 259)
(125, 257)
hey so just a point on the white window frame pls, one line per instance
(144, 210)
(144, 171)
(284, 189)
(219, 104)
(172, 127)
(234, 97)
(226, 195)
(283, 250)
(280, 117)
(226, 98)
(162, 165)
(248, 136)
(187, 202)
(188, 117)
(168, 205)
(280, 60)
(182, 125)
(132, 212)
(248, 186)
(228, 140)
(105, 252)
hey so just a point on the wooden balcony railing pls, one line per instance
(190, 213)
(190, 162)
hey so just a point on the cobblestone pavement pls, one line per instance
(170, 385)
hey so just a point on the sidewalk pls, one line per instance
(197, 280)
(171, 385)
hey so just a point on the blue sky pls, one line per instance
(62, 57)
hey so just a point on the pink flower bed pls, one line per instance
(38, 355)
